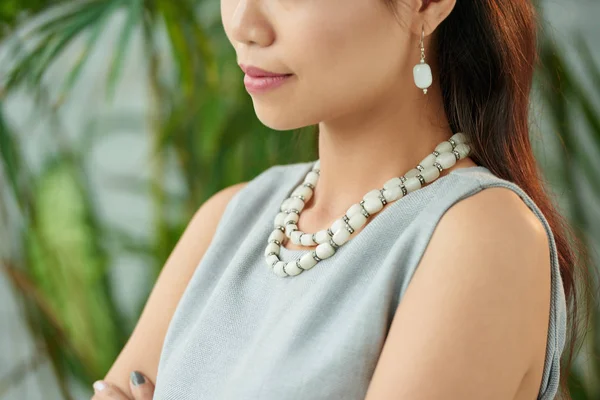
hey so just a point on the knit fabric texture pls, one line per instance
(241, 332)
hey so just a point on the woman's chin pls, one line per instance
(280, 120)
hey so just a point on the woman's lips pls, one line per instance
(258, 80)
(261, 84)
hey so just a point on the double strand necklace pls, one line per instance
(327, 241)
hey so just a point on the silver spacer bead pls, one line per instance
(420, 167)
(277, 242)
(314, 255)
(456, 154)
(290, 222)
(271, 254)
(345, 218)
(403, 179)
(404, 190)
(329, 232)
(438, 166)
(421, 179)
(313, 237)
(382, 197)
(298, 196)
(280, 227)
(452, 142)
(298, 265)
(309, 185)
(292, 210)
(435, 153)
(333, 244)
(364, 210)
(349, 228)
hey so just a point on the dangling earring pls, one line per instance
(422, 71)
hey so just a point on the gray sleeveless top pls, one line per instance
(241, 332)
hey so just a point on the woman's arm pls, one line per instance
(142, 350)
(473, 321)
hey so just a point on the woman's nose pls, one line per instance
(250, 25)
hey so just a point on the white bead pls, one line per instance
(272, 248)
(341, 236)
(357, 220)
(276, 235)
(392, 183)
(430, 174)
(307, 261)
(292, 269)
(412, 184)
(446, 160)
(372, 205)
(303, 191)
(324, 250)
(291, 217)
(463, 150)
(306, 240)
(422, 75)
(312, 177)
(375, 193)
(280, 219)
(444, 147)
(412, 173)
(354, 209)
(271, 259)
(392, 194)
(289, 228)
(428, 161)
(296, 203)
(295, 237)
(459, 137)
(285, 204)
(278, 269)
(337, 225)
(317, 165)
(322, 236)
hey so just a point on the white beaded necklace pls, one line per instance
(327, 241)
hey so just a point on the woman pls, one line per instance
(452, 283)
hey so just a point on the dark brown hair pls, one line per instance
(485, 52)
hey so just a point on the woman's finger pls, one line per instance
(104, 390)
(141, 387)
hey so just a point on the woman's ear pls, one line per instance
(429, 14)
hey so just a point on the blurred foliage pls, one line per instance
(574, 111)
(201, 123)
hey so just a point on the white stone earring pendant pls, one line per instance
(422, 71)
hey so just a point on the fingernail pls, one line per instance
(137, 378)
(99, 385)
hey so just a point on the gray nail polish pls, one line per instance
(136, 378)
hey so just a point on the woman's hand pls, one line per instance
(141, 387)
